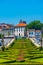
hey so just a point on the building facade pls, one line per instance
(20, 29)
(33, 33)
(7, 30)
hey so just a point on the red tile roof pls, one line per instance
(38, 30)
(0, 27)
(7, 26)
(21, 25)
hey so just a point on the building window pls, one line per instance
(30, 32)
(19, 29)
(15, 29)
(19, 34)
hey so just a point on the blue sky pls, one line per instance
(11, 11)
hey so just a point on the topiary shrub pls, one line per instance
(7, 48)
(10, 61)
(40, 48)
(22, 61)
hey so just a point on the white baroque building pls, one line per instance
(20, 29)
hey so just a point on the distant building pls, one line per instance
(20, 29)
(38, 34)
(6, 29)
(33, 33)
(0, 29)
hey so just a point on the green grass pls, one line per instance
(38, 60)
(3, 60)
(21, 48)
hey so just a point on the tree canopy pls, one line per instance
(34, 25)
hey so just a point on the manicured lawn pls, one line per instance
(3, 60)
(38, 60)
(21, 51)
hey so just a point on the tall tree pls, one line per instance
(34, 25)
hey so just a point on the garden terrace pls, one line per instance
(21, 51)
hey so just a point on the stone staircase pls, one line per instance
(35, 42)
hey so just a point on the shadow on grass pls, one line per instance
(10, 61)
(13, 61)
(35, 57)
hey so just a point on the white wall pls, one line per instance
(19, 30)
(5, 32)
(31, 34)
